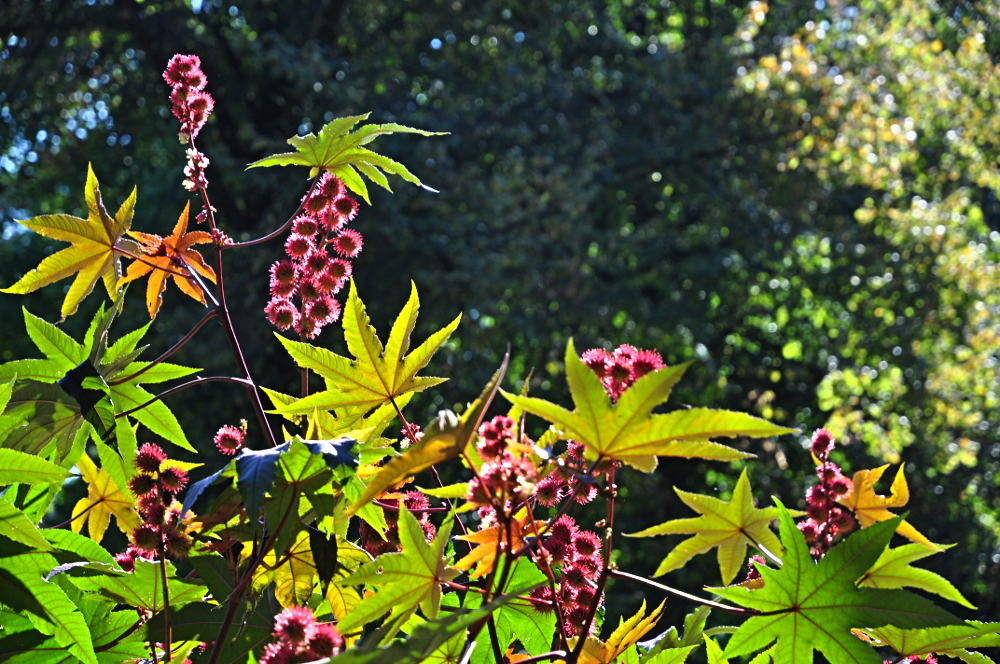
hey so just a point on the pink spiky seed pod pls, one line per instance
(326, 641)
(327, 283)
(348, 243)
(330, 186)
(282, 314)
(316, 261)
(146, 538)
(586, 596)
(822, 443)
(296, 625)
(564, 529)
(298, 246)
(173, 479)
(177, 544)
(346, 208)
(589, 565)
(317, 203)
(586, 543)
(646, 361)
(149, 457)
(549, 491)
(305, 225)
(308, 327)
(541, 599)
(280, 652)
(155, 513)
(142, 484)
(338, 269)
(324, 310)
(126, 561)
(597, 359)
(230, 439)
(583, 494)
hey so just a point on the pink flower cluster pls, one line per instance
(301, 639)
(825, 519)
(230, 439)
(374, 544)
(192, 105)
(317, 266)
(505, 476)
(913, 659)
(619, 369)
(156, 487)
(578, 552)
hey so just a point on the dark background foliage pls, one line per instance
(620, 172)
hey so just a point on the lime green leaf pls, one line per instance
(451, 491)
(66, 540)
(893, 570)
(378, 375)
(671, 655)
(714, 652)
(730, 526)
(445, 438)
(814, 606)
(339, 151)
(156, 416)
(953, 641)
(58, 347)
(70, 628)
(15, 525)
(52, 417)
(92, 255)
(143, 588)
(28, 469)
(627, 431)
(404, 580)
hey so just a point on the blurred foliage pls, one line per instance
(799, 196)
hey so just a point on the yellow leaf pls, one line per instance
(628, 634)
(870, 508)
(92, 255)
(294, 573)
(104, 498)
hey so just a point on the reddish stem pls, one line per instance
(173, 349)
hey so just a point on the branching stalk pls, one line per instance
(173, 349)
(184, 386)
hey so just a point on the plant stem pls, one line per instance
(680, 593)
(609, 528)
(491, 625)
(173, 349)
(555, 654)
(551, 576)
(184, 386)
(167, 645)
(284, 227)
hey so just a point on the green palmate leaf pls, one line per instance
(730, 526)
(893, 570)
(15, 525)
(953, 641)
(59, 348)
(671, 655)
(627, 431)
(626, 635)
(28, 469)
(339, 151)
(84, 547)
(814, 606)
(379, 374)
(51, 420)
(143, 588)
(445, 438)
(92, 255)
(296, 574)
(403, 580)
(714, 652)
(156, 416)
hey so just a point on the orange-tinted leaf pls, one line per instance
(869, 507)
(170, 257)
(494, 541)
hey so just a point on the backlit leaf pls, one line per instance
(92, 255)
(730, 526)
(953, 641)
(339, 151)
(893, 570)
(103, 499)
(628, 633)
(869, 507)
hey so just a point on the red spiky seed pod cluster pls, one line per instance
(571, 479)
(913, 659)
(230, 439)
(156, 486)
(192, 106)
(622, 367)
(301, 639)
(825, 519)
(577, 554)
(505, 475)
(374, 544)
(317, 266)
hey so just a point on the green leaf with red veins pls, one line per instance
(814, 606)
(378, 374)
(953, 641)
(628, 431)
(337, 150)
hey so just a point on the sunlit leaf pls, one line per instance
(893, 570)
(103, 499)
(870, 508)
(628, 633)
(953, 641)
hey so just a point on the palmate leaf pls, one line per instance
(403, 580)
(813, 606)
(104, 498)
(953, 641)
(142, 588)
(339, 151)
(443, 439)
(627, 431)
(628, 633)
(92, 255)
(28, 469)
(379, 374)
(170, 254)
(869, 507)
(488, 541)
(893, 570)
(730, 526)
